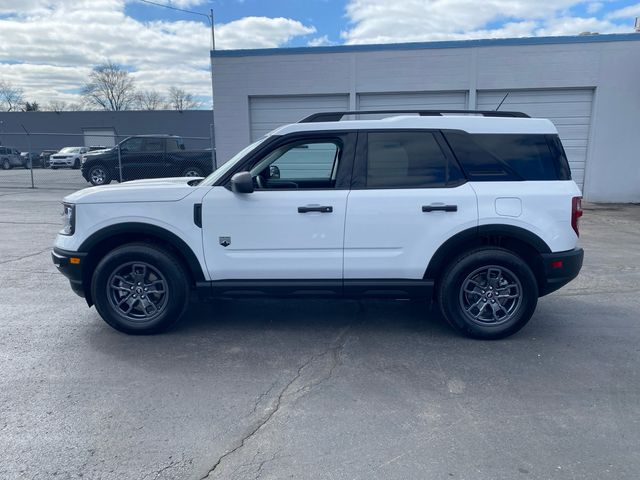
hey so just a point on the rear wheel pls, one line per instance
(140, 289)
(76, 164)
(6, 164)
(488, 293)
(99, 175)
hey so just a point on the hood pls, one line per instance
(149, 190)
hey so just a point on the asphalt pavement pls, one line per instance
(312, 389)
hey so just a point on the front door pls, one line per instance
(292, 226)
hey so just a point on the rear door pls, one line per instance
(408, 197)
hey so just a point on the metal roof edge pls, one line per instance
(495, 42)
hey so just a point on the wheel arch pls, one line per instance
(520, 241)
(98, 244)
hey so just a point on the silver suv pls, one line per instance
(9, 158)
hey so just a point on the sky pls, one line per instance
(48, 47)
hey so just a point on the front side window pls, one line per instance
(301, 164)
(407, 160)
(133, 144)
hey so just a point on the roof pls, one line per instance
(467, 123)
(496, 42)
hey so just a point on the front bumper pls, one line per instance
(560, 268)
(61, 162)
(72, 269)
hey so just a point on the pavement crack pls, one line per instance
(25, 256)
(337, 345)
(156, 473)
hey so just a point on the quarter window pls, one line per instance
(407, 160)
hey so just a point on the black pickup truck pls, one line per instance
(146, 156)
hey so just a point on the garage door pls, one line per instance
(268, 113)
(568, 109)
(412, 101)
(99, 137)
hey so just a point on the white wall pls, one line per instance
(611, 67)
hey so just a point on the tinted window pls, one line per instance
(528, 155)
(496, 157)
(153, 145)
(133, 144)
(173, 145)
(407, 160)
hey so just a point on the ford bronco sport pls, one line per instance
(473, 210)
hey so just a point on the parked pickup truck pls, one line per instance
(146, 156)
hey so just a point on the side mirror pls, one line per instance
(274, 172)
(242, 182)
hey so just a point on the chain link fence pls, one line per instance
(75, 161)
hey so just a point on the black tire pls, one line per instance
(6, 164)
(53, 167)
(500, 309)
(97, 172)
(76, 164)
(192, 172)
(111, 286)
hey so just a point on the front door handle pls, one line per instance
(321, 209)
(440, 208)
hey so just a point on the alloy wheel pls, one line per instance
(137, 291)
(490, 295)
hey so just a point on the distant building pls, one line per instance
(589, 86)
(91, 128)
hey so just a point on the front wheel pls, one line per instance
(140, 289)
(488, 293)
(99, 175)
(76, 164)
(6, 164)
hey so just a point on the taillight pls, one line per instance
(576, 213)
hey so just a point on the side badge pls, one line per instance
(225, 241)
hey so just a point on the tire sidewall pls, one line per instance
(166, 264)
(192, 169)
(452, 283)
(107, 176)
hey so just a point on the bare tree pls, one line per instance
(31, 106)
(11, 98)
(149, 100)
(62, 106)
(110, 87)
(181, 100)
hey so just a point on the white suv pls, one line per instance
(474, 210)
(68, 157)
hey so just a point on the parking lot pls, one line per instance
(316, 389)
(62, 178)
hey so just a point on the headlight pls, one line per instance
(68, 219)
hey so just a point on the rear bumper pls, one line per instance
(560, 268)
(73, 271)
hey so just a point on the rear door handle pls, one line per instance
(321, 209)
(440, 208)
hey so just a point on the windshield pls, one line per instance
(70, 150)
(211, 179)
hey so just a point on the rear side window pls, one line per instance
(407, 160)
(495, 157)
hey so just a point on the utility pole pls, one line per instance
(213, 115)
(213, 47)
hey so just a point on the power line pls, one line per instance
(171, 7)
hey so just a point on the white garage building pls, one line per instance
(589, 86)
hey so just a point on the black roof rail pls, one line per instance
(337, 116)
